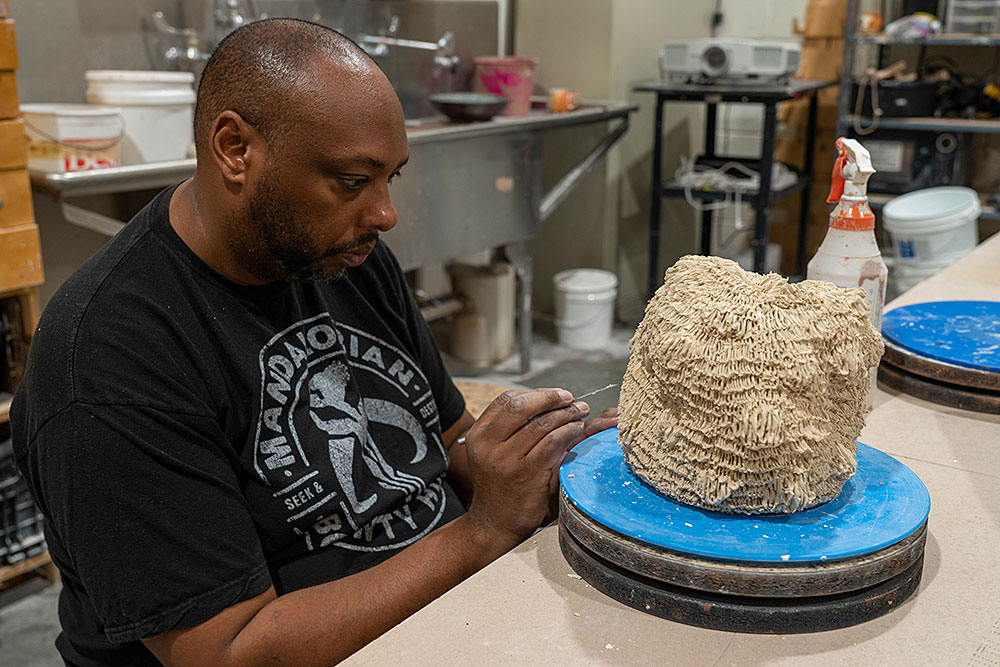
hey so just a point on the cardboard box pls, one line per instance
(792, 151)
(795, 113)
(15, 194)
(22, 264)
(821, 59)
(824, 18)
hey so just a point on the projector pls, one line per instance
(729, 60)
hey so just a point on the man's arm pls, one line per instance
(512, 452)
(323, 624)
(459, 475)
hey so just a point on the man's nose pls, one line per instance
(383, 215)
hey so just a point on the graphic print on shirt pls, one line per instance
(346, 437)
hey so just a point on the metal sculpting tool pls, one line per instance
(596, 391)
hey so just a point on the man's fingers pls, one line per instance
(602, 422)
(540, 426)
(512, 410)
(549, 450)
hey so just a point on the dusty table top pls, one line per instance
(530, 607)
(478, 394)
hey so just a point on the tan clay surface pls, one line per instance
(745, 393)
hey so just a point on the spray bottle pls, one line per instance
(849, 255)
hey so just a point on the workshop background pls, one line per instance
(938, 124)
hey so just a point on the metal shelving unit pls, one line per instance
(954, 39)
(933, 124)
(845, 117)
(711, 95)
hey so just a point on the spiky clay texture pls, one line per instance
(745, 393)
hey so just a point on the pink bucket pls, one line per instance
(510, 76)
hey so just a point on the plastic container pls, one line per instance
(849, 255)
(585, 307)
(72, 137)
(932, 228)
(482, 334)
(510, 76)
(975, 16)
(904, 276)
(158, 108)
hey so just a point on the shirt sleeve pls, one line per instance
(149, 506)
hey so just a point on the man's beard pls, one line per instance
(284, 241)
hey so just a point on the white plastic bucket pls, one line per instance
(158, 108)
(904, 275)
(932, 228)
(585, 307)
(72, 137)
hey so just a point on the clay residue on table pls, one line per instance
(745, 393)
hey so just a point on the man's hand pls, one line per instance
(514, 450)
(460, 474)
(602, 422)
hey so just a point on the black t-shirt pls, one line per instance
(192, 441)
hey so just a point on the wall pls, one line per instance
(571, 40)
(601, 48)
(59, 41)
(604, 48)
(740, 125)
(639, 34)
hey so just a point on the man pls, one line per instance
(234, 418)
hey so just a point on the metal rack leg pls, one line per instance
(520, 257)
(711, 114)
(706, 232)
(761, 228)
(800, 257)
(656, 201)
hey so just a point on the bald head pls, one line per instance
(261, 69)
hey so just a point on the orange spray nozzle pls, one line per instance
(851, 171)
(837, 182)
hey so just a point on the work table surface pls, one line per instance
(529, 607)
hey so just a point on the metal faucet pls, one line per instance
(191, 54)
(444, 48)
(226, 16)
(232, 14)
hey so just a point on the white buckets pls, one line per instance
(482, 333)
(585, 307)
(158, 108)
(72, 137)
(930, 229)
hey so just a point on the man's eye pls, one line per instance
(353, 182)
(393, 176)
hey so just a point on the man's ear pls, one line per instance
(234, 142)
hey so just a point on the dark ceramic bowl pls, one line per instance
(467, 107)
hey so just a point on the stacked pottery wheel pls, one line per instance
(844, 562)
(734, 494)
(947, 352)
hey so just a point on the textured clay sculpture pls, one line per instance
(745, 393)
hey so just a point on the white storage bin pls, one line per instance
(72, 137)
(158, 108)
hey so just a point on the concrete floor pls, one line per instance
(28, 612)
